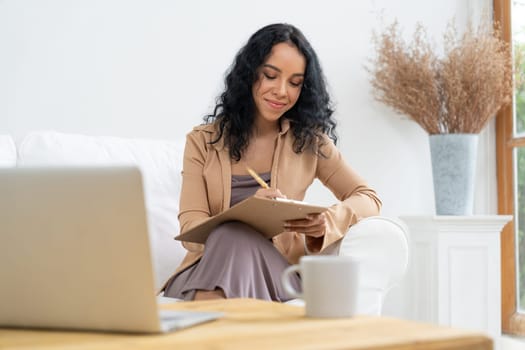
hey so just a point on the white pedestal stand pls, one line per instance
(454, 273)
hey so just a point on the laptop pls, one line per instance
(75, 252)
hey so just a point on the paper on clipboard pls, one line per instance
(265, 215)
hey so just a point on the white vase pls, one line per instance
(453, 159)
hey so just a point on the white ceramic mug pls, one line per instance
(330, 285)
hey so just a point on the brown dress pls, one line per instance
(237, 259)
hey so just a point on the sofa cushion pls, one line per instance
(7, 151)
(160, 162)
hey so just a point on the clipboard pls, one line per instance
(265, 215)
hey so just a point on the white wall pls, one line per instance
(153, 68)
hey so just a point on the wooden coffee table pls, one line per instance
(255, 324)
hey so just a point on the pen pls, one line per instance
(257, 178)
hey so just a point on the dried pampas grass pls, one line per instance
(457, 93)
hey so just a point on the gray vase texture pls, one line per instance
(453, 158)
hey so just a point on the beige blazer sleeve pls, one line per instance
(357, 200)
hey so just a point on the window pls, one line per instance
(510, 143)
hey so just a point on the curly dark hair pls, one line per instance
(234, 112)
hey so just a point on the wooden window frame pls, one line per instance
(512, 321)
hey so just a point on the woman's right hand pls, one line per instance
(270, 193)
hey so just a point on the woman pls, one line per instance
(274, 117)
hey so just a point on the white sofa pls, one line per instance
(379, 243)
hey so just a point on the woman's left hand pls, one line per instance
(315, 225)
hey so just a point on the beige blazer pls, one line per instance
(206, 189)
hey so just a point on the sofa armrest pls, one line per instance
(381, 246)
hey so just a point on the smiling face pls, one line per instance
(279, 82)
